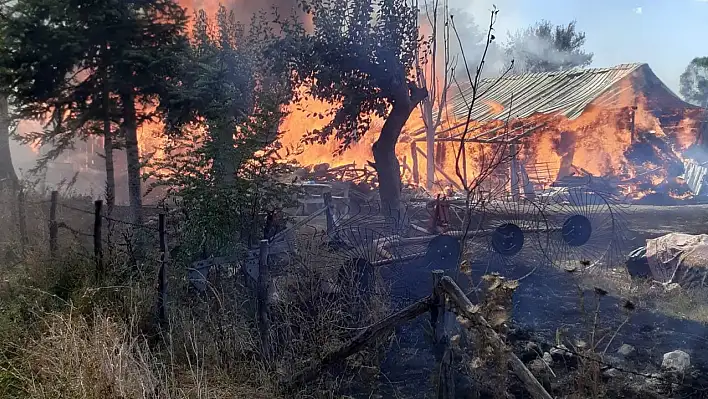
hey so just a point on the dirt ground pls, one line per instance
(549, 304)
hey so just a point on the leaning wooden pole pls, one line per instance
(366, 336)
(470, 311)
(442, 172)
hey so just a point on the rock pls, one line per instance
(548, 358)
(560, 352)
(626, 350)
(671, 287)
(676, 361)
(612, 373)
(654, 382)
(614, 361)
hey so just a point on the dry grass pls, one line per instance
(321, 302)
(63, 335)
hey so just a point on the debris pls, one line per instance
(679, 258)
(626, 350)
(612, 373)
(696, 177)
(637, 263)
(560, 353)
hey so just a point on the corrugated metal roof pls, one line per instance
(564, 93)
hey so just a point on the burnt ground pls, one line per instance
(547, 305)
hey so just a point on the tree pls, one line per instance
(694, 82)
(222, 121)
(361, 55)
(547, 48)
(225, 79)
(433, 60)
(75, 64)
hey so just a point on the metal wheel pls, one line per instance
(508, 232)
(586, 229)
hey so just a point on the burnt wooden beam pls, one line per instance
(366, 336)
(471, 312)
(439, 170)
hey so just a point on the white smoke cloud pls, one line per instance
(639, 10)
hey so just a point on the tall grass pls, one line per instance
(63, 335)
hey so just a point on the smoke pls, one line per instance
(513, 39)
(243, 9)
(468, 37)
(533, 53)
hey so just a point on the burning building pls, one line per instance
(621, 123)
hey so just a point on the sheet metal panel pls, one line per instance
(565, 93)
(695, 176)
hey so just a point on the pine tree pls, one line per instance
(78, 64)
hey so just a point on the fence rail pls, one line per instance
(445, 292)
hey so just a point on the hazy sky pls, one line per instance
(666, 34)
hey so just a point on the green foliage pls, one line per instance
(360, 55)
(694, 82)
(222, 122)
(60, 59)
(546, 48)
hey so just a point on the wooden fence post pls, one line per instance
(98, 238)
(437, 310)
(22, 220)
(446, 376)
(414, 159)
(162, 275)
(262, 299)
(330, 214)
(53, 226)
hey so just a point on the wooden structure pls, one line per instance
(502, 135)
(312, 196)
(521, 102)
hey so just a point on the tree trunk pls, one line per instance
(110, 171)
(8, 177)
(132, 154)
(427, 114)
(387, 167)
(108, 139)
(224, 163)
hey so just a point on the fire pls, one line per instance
(625, 140)
(303, 118)
(494, 106)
